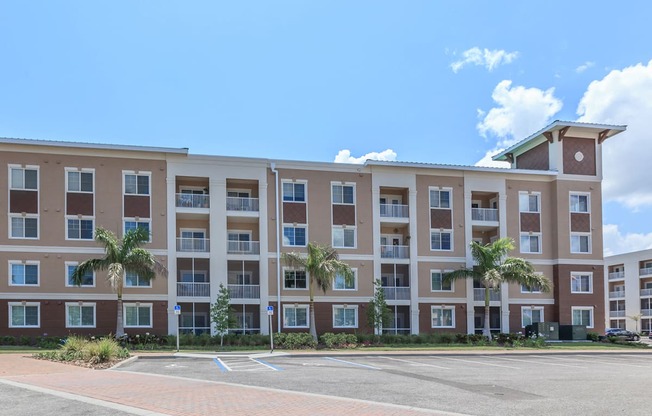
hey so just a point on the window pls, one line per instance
(240, 242)
(80, 315)
(528, 202)
(583, 315)
(343, 194)
(294, 235)
(580, 243)
(88, 279)
(79, 229)
(132, 279)
(132, 224)
(138, 315)
(295, 279)
(441, 240)
(345, 316)
(23, 274)
(581, 283)
(531, 315)
(24, 178)
(440, 198)
(443, 316)
(24, 315)
(295, 316)
(79, 181)
(536, 289)
(579, 203)
(340, 283)
(137, 184)
(344, 237)
(294, 192)
(24, 227)
(437, 283)
(530, 243)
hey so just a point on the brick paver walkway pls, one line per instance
(177, 396)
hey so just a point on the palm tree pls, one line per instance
(322, 264)
(121, 256)
(492, 268)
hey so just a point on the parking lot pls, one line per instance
(477, 384)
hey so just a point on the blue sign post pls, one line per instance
(270, 313)
(177, 312)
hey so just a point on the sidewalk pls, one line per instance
(161, 395)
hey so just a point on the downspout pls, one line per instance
(278, 250)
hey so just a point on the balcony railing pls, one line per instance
(616, 314)
(243, 247)
(616, 275)
(394, 252)
(198, 245)
(646, 312)
(646, 292)
(646, 271)
(394, 211)
(193, 200)
(193, 289)
(478, 295)
(244, 291)
(618, 294)
(396, 293)
(484, 214)
(242, 204)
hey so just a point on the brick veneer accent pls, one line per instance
(580, 222)
(441, 218)
(23, 201)
(536, 158)
(530, 222)
(572, 145)
(343, 214)
(425, 319)
(136, 206)
(79, 203)
(294, 212)
(565, 299)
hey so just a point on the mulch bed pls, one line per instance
(86, 364)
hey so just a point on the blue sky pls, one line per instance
(442, 82)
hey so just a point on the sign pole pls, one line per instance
(270, 313)
(177, 312)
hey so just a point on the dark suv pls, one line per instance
(622, 334)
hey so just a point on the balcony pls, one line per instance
(616, 275)
(646, 312)
(396, 293)
(243, 247)
(242, 204)
(616, 314)
(618, 294)
(478, 295)
(196, 245)
(394, 211)
(646, 271)
(646, 292)
(484, 214)
(394, 252)
(192, 200)
(193, 289)
(244, 291)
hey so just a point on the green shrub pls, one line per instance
(8, 340)
(462, 338)
(25, 340)
(48, 342)
(340, 340)
(73, 347)
(294, 340)
(445, 338)
(593, 336)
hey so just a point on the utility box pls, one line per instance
(548, 330)
(572, 332)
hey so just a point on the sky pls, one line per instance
(332, 80)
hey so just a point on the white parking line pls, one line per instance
(220, 362)
(624, 360)
(417, 363)
(593, 360)
(537, 362)
(352, 363)
(480, 362)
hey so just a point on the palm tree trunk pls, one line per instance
(486, 331)
(120, 326)
(313, 329)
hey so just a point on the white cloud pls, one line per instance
(586, 65)
(488, 163)
(490, 59)
(616, 243)
(520, 112)
(344, 156)
(623, 97)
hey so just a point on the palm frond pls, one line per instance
(109, 241)
(84, 267)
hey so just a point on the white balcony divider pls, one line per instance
(244, 291)
(646, 292)
(618, 294)
(484, 214)
(478, 295)
(645, 272)
(394, 211)
(243, 247)
(616, 275)
(396, 293)
(193, 200)
(242, 204)
(197, 245)
(191, 289)
(394, 252)
(616, 314)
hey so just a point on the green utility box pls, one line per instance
(572, 332)
(548, 330)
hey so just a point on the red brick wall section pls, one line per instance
(565, 299)
(536, 158)
(79, 203)
(572, 166)
(441, 218)
(549, 314)
(530, 222)
(294, 212)
(343, 214)
(580, 222)
(324, 319)
(425, 319)
(23, 201)
(136, 206)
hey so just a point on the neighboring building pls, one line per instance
(225, 220)
(628, 290)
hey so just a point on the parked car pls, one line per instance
(622, 334)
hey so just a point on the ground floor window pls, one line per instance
(531, 315)
(345, 316)
(138, 315)
(583, 315)
(443, 316)
(24, 315)
(80, 315)
(295, 316)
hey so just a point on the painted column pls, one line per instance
(218, 237)
(263, 263)
(414, 265)
(172, 253)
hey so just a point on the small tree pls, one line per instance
(636, 318)
(378, 314)
(221, 313)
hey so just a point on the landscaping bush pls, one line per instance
(593, 336)
(8, 340)
(91, 352)
(294, 340)
(341, 340)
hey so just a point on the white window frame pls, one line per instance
(125, 285)
(24, 168)
(528, 195)
(245, 275)
(345, 308)
(583, 308)
(344, 228)
(433, 308)
(81, 305)
(578, 195)
(138, 221)
(530, 235)
(138, 305)
(442, 273)
(342, 185)
(79, 171)
(579, 236)
(137, 173)
(582, 274)
(295, 182)
(530, 308)
(294, 269)
(306, 307)
(80, 218)
(345, 289)
(24, 304)
(294, 227)
(70, 264)
(432, 189)
(25, 263)
(441, 231)
(23, 217)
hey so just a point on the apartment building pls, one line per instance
(227, 221)
(628, 290)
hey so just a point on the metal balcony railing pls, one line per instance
(242, 204)
(396, 293)
(646, 312)
(616, 314)
(200, 245)
(192, 200)
(616, 275)
(394, 252)
(478, 295)
(646, 271)
(618, 294)
(646, 292)
(191, 289)
(244, 291)
(484, 214)
(394, 211)
(243, 247)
